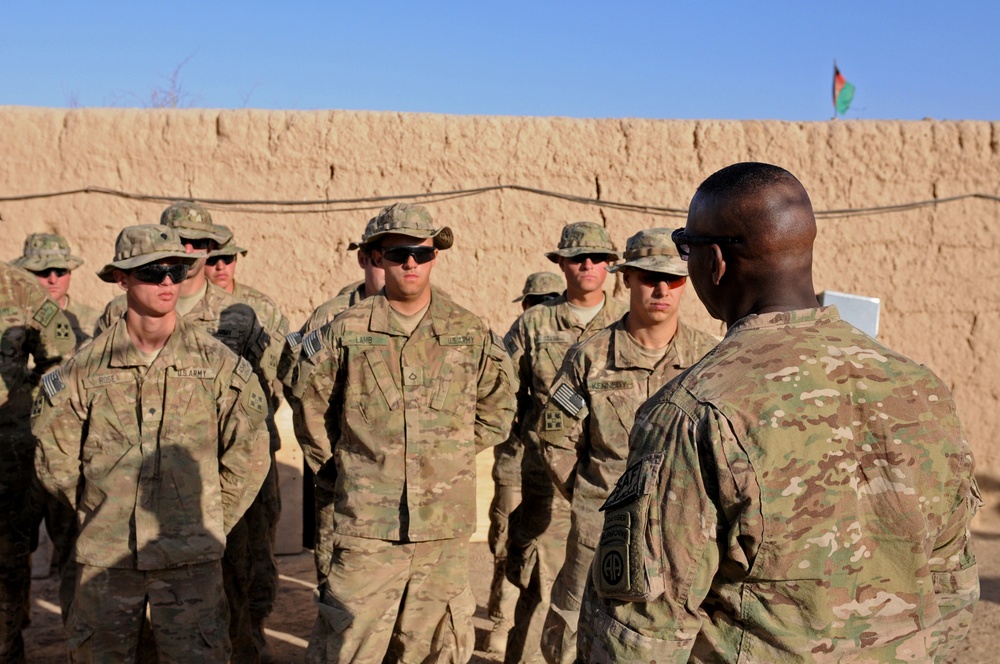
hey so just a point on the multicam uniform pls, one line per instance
(160, 462)
(82, 318)
(584, 433)
(392, 424)
(538, 342)
(802, 494)
(30, 325)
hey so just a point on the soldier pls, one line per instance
(262, 516)
(31, 325)
(154, 434)
(48, 257)
(585, 425)
(538, 342)
(538, 287)
(400, 393)
(234, 323)
(800, 494)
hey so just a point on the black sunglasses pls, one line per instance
(684, 242)
(421, 254)
(228, 260)
(648, 278)
(582, 258)
(156, 273)
(199, 244)
(58, 271)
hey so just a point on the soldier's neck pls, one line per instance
(149, 333)
(585, 299)
(653, 336)
(409, 307)
(195, 282)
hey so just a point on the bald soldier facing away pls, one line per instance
(802, 493)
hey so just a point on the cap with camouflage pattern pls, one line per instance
(412, 221)
(652, 249)
(369, 229)
(43, 251)
(229, 248)
(139, 245)
(193, 222)
(542, 283)
(583, 237)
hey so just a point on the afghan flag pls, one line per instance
(843, 92)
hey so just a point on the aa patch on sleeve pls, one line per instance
(53, 384)
(46, 313)
(569, 400)
(293, 339)
(553, 420)
(312, 344)
(244, 370)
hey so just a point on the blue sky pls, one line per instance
(733, 60)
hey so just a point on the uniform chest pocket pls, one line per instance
(453, 389)
(373, 392)
(550, 361)
(624, 407)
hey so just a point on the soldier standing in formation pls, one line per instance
(538, 287)
(154, 434)
(48, 257)
(802, 493)
(399, 394)
(585, 426)
(538, 342)
(31, 326)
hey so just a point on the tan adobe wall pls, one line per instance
(936, 269)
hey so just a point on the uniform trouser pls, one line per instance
(61, 525)
(262, 521)
(559, 631)
(543, 524)
(187, 614)
(237, 575)
(503, 594)
(383, 601)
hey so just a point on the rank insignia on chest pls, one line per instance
(553, 420)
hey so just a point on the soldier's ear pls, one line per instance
(376, 257)
(121, 280)
(718, 264)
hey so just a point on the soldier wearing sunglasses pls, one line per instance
(538, 342)
(154, 433)
(48, 257)
(234, 322)
(398, 394)
(585, 426)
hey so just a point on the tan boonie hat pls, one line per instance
(193, 222)
(140, 245)
(369, 229)
(653, 250)
(229, 248)
(43, 251)
(583, 237)
(412, 221)
(542, 283)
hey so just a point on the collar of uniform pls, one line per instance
(383, 321)
(208, 307)
(626, 354)
(124, 353)
(783, 318)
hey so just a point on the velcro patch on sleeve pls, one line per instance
(312, 344)
(293, 339)
(283, 326)
(510, 345)
(569, 400)
(632, 484)
(244, 370)
(46, 313)
(553, 420)
(255, 400)
(53, 384)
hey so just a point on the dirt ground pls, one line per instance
(289, 625)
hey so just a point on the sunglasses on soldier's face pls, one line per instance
(582, 258)
(199, 244)
(156, 273)
(45, 274)
(228, 260)
(684, 242)
(421, 254)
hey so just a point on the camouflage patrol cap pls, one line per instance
(139, 245)
(412, 221)
(369, 229)
(652, 250)
(542, 283)
(43, 251)
(583, 237)
(229, 248)
(193, 222)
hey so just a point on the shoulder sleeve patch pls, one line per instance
(312, 344)
(498, 341)
(46, 313)
(633, 482)
(283, 326)
(569, 400)
(510, 344)
(53, 384)
(244, 370)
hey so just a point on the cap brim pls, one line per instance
(230, 250)
(660, 264)
(577, 251)
(107, 272)
(443, 237)
(39, 263)
(220, 234)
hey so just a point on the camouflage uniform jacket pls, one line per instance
(30, 324)
(538, 342)
(159, 462)
(82, 318)
(391, 424)
(585, 439)
(327, 311)
(802, 494)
